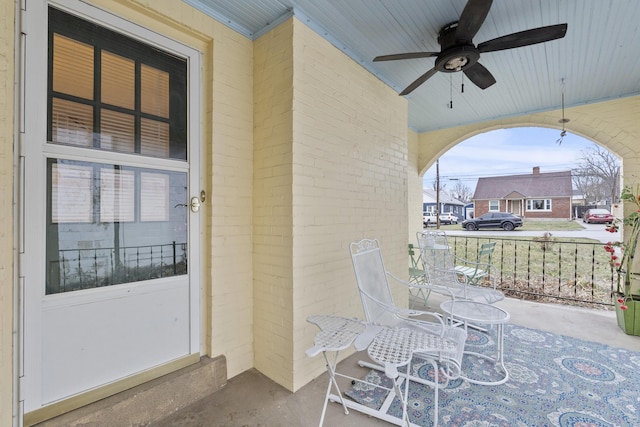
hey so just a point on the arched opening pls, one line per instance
(495, 156)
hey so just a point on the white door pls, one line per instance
(110, 153)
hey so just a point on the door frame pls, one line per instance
(32, 71)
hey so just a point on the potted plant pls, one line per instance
(627, 296)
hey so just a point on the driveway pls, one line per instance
(590, 231)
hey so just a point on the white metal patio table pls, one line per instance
(391, 348)
(472, 312)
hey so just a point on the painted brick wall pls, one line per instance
(7, 64)
(272, 215)
(330, 168)
(350, 181)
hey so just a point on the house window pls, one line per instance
(539, 204)
(494, 205)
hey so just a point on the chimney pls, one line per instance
(536, 170)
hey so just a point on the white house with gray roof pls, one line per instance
(448, 203)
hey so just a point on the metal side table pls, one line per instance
(471, 312)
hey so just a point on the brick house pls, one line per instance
(536, 195)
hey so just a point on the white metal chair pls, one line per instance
(403, 331)
(417, 277)
(439, 265)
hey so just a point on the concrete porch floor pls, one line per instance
(252, 400)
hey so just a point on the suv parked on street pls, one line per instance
(448, 218)
(505, 220)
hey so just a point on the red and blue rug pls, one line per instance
(555, 381)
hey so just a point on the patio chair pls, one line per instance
(417, 277)
(387, 322)
(439, 265)
(480, 270)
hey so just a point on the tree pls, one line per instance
(598, 175)
(462, 192)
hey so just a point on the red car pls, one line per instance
(597, 215)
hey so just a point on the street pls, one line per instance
(591, 231)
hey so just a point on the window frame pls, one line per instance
(494, 209)
(548, 205)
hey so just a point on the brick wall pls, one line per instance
(6, 210)
(338, 140)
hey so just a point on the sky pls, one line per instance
(512, 151)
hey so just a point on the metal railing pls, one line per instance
(547, 269)
(76, 269)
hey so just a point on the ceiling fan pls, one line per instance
(458, 53)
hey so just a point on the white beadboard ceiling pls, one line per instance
(597, 60)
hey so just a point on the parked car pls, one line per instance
(448, 218)
(428, 218)
(505, 220)
(597, 215)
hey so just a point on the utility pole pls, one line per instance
(438, 194)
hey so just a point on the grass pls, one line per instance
(569, 270)
(572, 271)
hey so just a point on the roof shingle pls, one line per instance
(536, 185)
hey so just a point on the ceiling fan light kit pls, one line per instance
(458, 53)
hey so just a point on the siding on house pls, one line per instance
(512, 193)
(447, 203)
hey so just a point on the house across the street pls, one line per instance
(537, 195)
(448, 203)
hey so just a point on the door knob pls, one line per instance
(195, 204)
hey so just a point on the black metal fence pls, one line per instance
(547, 269)
(76, 269)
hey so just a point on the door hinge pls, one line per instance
(23, 17)
(21, 267)
(21, 388)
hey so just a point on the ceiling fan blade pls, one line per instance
(409, 55)
(423, 78)
(479, 75)
(472, 18)
(524, 38)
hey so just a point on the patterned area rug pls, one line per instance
(554, 381)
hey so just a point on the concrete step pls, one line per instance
(151, 401)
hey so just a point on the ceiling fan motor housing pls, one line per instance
(455, 54)
(457, 58)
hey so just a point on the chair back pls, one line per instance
(485, 252)
(437, 261)
(373, 284)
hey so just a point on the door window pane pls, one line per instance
(117, 131)
(154, 138)
(154, 91)
(118, 81)
(71, 123)
(113, 224)
(72, 67)
(71, 193)
(117, 195)
(126, 96)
